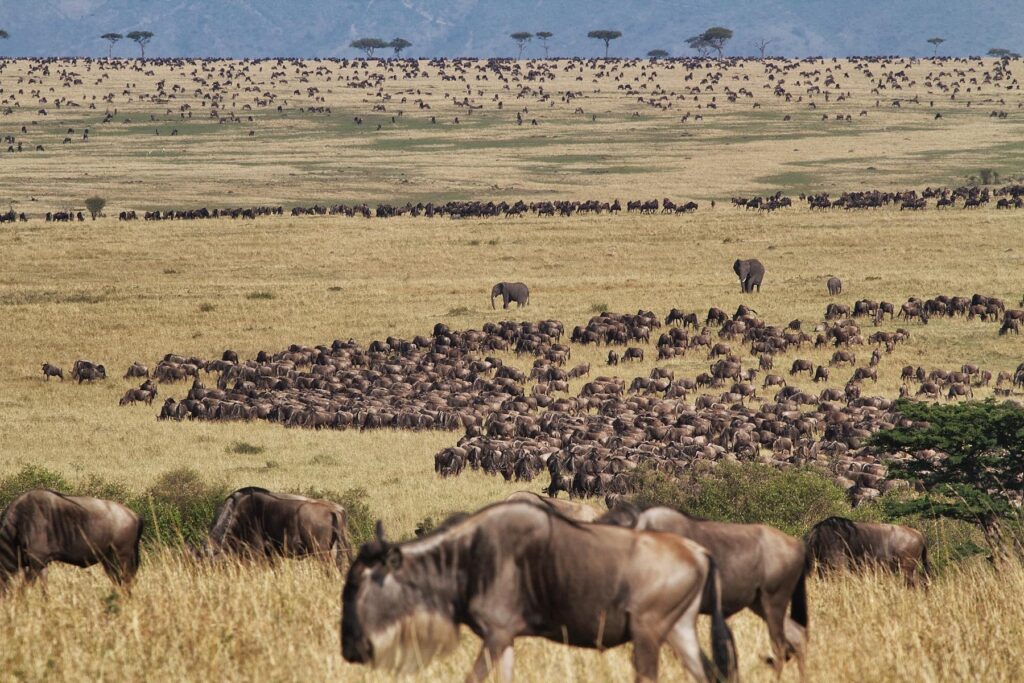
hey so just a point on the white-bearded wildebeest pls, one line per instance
(255, 523)
(43, 526)
(838, 543)
(517, 569)
(760, 568)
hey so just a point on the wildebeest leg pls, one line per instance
(774, 617)
(683, 639)
(495, 649)
(796, 636)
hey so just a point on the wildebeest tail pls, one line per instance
(926, 568)
(9, 563)
(339, 538)
(136, 556)
(723, 647)
(798, 603)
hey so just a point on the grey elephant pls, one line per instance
(511, 291)
(835, 286)
(750, 272)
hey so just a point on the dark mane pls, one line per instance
(836, 533)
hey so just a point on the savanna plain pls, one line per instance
(121, 291)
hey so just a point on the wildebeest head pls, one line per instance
(393, 616)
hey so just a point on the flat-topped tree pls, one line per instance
(111, 38)
(699, 44)
(716, 38)
(399, 44)
(141, 38)
(4, 34)
(521, 38)
(606, 36)
(657, 54)
(544, 35)
(368, 45)
(935, 43)
(1003, 53)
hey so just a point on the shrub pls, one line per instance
(259, 296)
(207, 308)
(598, 308)
(244, 448)
(179, 507)
(31, 477)
(95, 206)
(792, 500)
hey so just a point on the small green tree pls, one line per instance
(95, 206)
(657, 54)
(141, 38)
(521, 38)
(605, 36)
(369, 45)
(4, 34)
(399, 44)
(968, 457)
(111, 38)
(1002, 52)
(544, 35)
(700, 44)
(935, 43)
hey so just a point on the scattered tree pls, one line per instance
(4, 34)
(399, 44)
(544, 35)
(1001, 52)
(141, 37)
(368, 45)
(700, 44)
(762, 44)
(935, 43)
(968, 458)
(716, 38)
(606, 36)
(657, 54)
(111, 38)
(95, 205)
(521, 38)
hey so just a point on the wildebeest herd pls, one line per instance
(531, 566)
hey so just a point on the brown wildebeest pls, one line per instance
(254, 523)
(760, 567)
(578, 512)
(43, 526)
(838, 543)
(517, 569)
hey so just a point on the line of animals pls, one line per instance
(1009, 197)
(521, 424)
(512, 569)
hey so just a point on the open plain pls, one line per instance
(177, 136)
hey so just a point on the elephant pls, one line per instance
(511, 291)
(835, 286)
(750, 272)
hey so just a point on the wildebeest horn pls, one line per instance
(378, 531)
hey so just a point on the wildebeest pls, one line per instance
(838, 543)
(760, 567)
(43, 526)
(50, 370)
(253, 522)
(517, 569)
(84, 370)
(579, 512)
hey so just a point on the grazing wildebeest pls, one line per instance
(760, 568)
(579, 512)
(52, 371)
(84, 370)
(255, 523)
(43, 526)
(838, 543)
(511, 291)
(517, 569)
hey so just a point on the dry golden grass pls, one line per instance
(116, 293)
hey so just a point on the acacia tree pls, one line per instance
(4, 34)
(657, 54)
(606, 36)
(141, 37)
(368, 45)
(716, 38)
(544, 35)
(95, 206)
(1002, 52)
(111, 38)
(762, 44)
(968, 457)
(936, 42)
(399, 44)
(521, 38)
(699, 44)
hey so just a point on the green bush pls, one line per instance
(244, 448)
(178, 507)
(748, 493)
(30, 477)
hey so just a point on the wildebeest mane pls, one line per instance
(836, 534)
